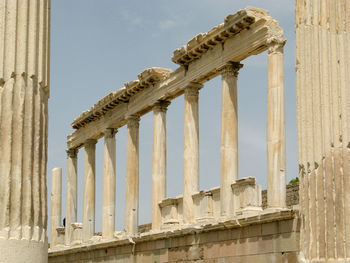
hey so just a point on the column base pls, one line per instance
(22, 251)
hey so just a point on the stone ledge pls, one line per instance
(190, 229)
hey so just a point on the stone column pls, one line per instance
(56, 204)
(132, 176)
(71, 193)
(158, 161)
(89, 190)
(109, 173)
(323, 115)
(229, 136)
(24, 93)
(191, 151)
(276, 144)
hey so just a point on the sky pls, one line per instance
(98, 45)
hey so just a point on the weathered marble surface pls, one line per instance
(24, 93)
(323, 99)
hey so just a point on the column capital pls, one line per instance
(90, 142)
(192, 89)
(161, 106)
(72, 153)
(275, 44)
(133, 120)
(110, 132)
(231, 69)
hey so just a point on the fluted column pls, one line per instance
(89, 190)
(323, 115)
(56, 204)
(109, 187)
(229, 136)
(71, 193)
(158, 161)
(132, 176)
(24, 93)
(276, 144)
(191, 150)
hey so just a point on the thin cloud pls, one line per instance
(171, 23)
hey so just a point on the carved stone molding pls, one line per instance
(161, 106)
(193, 89)
(133, 121)
(90, 142)
(231, 69)
(276, 44)
(72, 153)
(110, 132)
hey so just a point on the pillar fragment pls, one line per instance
(56, 204)
(229, 136)
(89, 190)
(109, 187)
(191, 151)
(276, 163)
(71, 194)
(132, 176)
(323, 115)
(158, 161)
(24, 93)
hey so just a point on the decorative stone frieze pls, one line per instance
(232, 26)
(146, 79)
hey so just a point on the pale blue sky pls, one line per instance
(97, 45)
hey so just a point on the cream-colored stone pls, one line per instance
(109, 185)
(158, 162)
(71, 193)
(191, 151)
(132, 176)
(229, 136)
(24, 93)
(89, 190)
(322, 64)
(56, 205)
(276, 163)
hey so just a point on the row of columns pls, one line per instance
(228, 151)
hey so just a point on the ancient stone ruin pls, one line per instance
(234, 222)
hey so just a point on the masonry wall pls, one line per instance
(276, 241)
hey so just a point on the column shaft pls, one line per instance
(323, 99)
(109, 187)
(71, 194)
(158, 162)
(276, 163)
(24, 92)
(132, 176)
(89, 190)
(56, 203)
(229, 137)
(191, 151)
